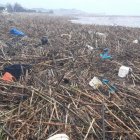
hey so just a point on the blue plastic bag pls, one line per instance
(16, 32)
(105, 55)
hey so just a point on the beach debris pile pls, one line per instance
(66, 88)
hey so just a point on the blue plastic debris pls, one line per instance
(112, 88)
(106, 50)
(16, 32)
(105, 81)
(105, 55)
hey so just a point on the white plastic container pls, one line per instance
(95, 83)
(123, 71)
(59, 137)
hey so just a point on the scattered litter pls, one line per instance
(16, 32)
(90, 48)
(95, 83)
(8, 77)
(66, 81)
(136, 41)
(105, 54)
(111, 87)
(103, 36)
(100, 35)
(44, 40)
(59, 137)
(123, 71)
(17, 70)
(105, 81)
(59, 99)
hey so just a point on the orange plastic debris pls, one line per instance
(8, 77)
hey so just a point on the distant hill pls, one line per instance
(40, 10)
(61, 11)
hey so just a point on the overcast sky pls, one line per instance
(123, 7)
